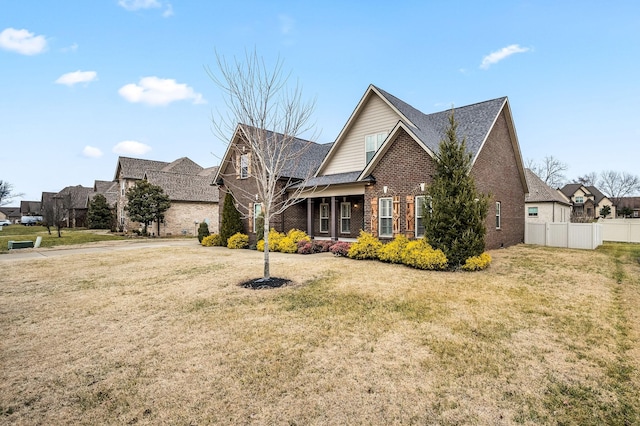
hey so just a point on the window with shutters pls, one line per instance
(324, 217)
(345, 218)
(386, 217)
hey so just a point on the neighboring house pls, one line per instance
(107, 188)
(633, 203)
(30, 208)
(543, 203)
(10, 213)
(188, 186)
(75, 202)
(375, 175)
(587, 201)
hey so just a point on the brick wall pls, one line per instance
(402, 169)
(496, 173)
(180, 218)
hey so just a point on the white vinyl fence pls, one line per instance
(621, 230)
(569, 235)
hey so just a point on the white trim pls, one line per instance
(419, 203)
(326, 231)
(342, 217)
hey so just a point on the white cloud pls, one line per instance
(72, 48)
(497, 56)
(131, 148)
(168, 11)
(91, 152)
(286, 24)
(22, 41)
(76, 77)
(139, 4)
(159, 91)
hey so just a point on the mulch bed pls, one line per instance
(262, 284)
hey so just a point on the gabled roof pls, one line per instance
(540, 192)
(79, 196)
(599, 196)
(474, 124)
(102, 186)
(305, 165)
(134, 168)
(11, 212)
(182, 165)
(184, 187)
(106, 188)
(571, 188)
(30, 207)
(631, 202)
(335, 179)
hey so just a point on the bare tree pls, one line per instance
(617, 185)
(550, 171)
(589, 179)
(6, 193)
(270, 117)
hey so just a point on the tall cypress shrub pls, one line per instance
(455, 221)
(231, 220)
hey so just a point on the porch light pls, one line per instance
(385, 189)
(422, 185)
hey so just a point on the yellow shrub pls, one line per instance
(366, 247)
(238, 241)
(287, 245)
(477, 263)
(212, 240)
(297, 235)
(421, 255)
(274, 240)
(260, 245)
(392, 252)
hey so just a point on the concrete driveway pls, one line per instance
(98, 247)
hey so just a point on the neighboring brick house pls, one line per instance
(235, 176)
(30, 208)
(75, 201)
(543, 203)
(188, 186)
(633, 203)
(587, 201)
(10, 213)
(375, 174)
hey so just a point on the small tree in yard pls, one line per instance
(231, 222)
(147, 203)
(454, 222)
(605, 211)
(203, 231)
(100, 215)
(271, 118)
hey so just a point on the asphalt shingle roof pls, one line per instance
(79, 196)
(474, 121)
(134, 168)
(335, 179)
(540, 192)
(184, 187)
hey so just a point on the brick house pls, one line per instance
(587, 201)
(633, 203)
(375, 175)
(543, 203)
(188, 186)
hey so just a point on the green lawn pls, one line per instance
(69, 236)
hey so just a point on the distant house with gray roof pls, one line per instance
(587, 201)
(543, 203)
(188, 185)
(375, 175)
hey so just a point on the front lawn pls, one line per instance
(69, 236)
(167, 336)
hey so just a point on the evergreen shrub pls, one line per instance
(203, 231)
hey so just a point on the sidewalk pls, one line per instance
(98, 247)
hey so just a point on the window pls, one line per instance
(498, 215)
(324, 217)
(372, 143)
(345, 218)
(533, 212)
(257, 211)
(244, 166)
(386, 217)
(579, 199)
(122, 185)
(420, 199)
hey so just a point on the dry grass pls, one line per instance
(166, 336)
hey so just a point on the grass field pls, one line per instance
(166, 336)
(69, 236)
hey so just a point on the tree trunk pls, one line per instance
(266, 275)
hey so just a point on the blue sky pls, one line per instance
(82, 82)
